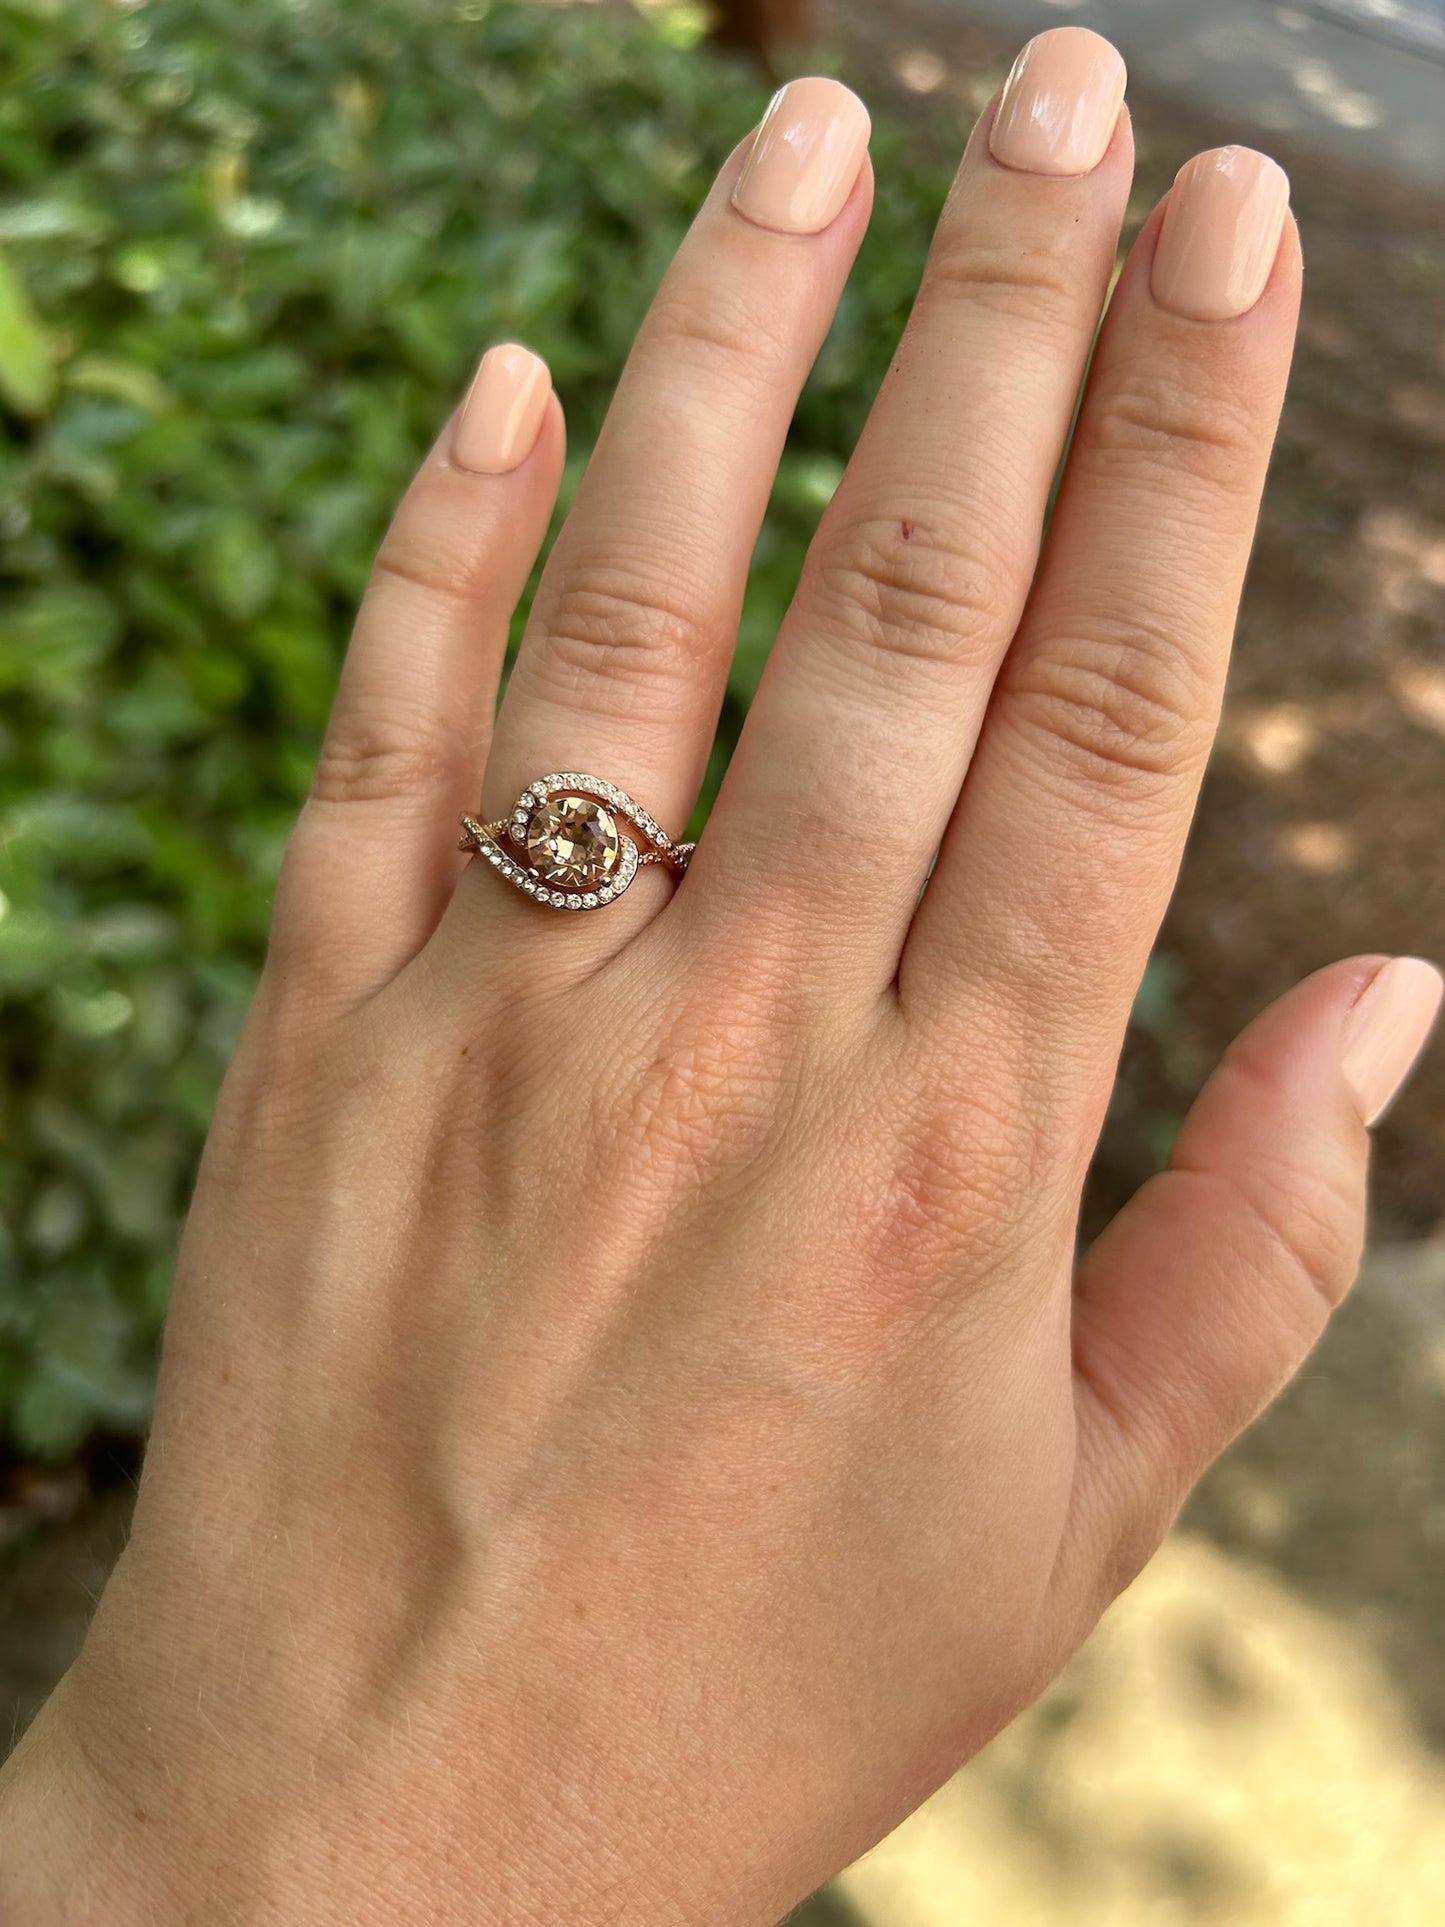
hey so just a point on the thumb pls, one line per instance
(1209, 1289)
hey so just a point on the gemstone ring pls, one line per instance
(563, 843)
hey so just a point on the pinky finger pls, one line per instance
(373, 859)
(1207, 1292)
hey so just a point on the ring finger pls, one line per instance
(625, 659)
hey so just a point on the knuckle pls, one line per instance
(941, 1202)
(367, 758)
(1125, 706)
(708, 1099)
(1309, 1229)
(610, 623)
(928, 1200)
(1027, 287)
(424, 552)
(1305, 1216)
(704, 322)
(892, 587)
(1158, 423)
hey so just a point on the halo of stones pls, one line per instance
(488, 846)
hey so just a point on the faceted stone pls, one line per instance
(573, 840)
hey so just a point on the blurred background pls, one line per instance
(248, 256)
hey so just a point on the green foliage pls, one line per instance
(248, 254)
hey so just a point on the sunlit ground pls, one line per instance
(1255, 1735)
(1222, 1751)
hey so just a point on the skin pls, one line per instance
(632, 1421)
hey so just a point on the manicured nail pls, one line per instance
(1221, 232)
(497, 428)
(1387, 1029)
(805, 157)
(1060, 104)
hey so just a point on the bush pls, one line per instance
(247, 257)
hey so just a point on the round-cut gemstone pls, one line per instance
(573, 840)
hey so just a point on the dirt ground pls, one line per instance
(1321, 831)
(1257, 1735)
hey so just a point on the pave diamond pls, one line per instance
(573, 840)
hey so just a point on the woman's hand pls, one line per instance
(632, 1421)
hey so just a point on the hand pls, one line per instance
(631, 1421)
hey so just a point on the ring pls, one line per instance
(563, 844)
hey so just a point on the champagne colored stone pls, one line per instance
(573, 841)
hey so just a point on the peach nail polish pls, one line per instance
(805, 157)
(497, 428)
(1060, 104)
(1221, 232)
(1387, 1029)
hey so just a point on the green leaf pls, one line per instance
(262, 248)
(125, 381)
(27, 366)
(53, 638)
(237, 563)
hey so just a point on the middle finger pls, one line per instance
(861, 732)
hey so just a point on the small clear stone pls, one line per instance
(590, 900)
(604, 895)
(559, 900)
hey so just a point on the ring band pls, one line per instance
(563, 844)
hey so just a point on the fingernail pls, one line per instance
(1221, 232)
(1387, 1029)
(1060, 104)
(805, 157)
(497, 428)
